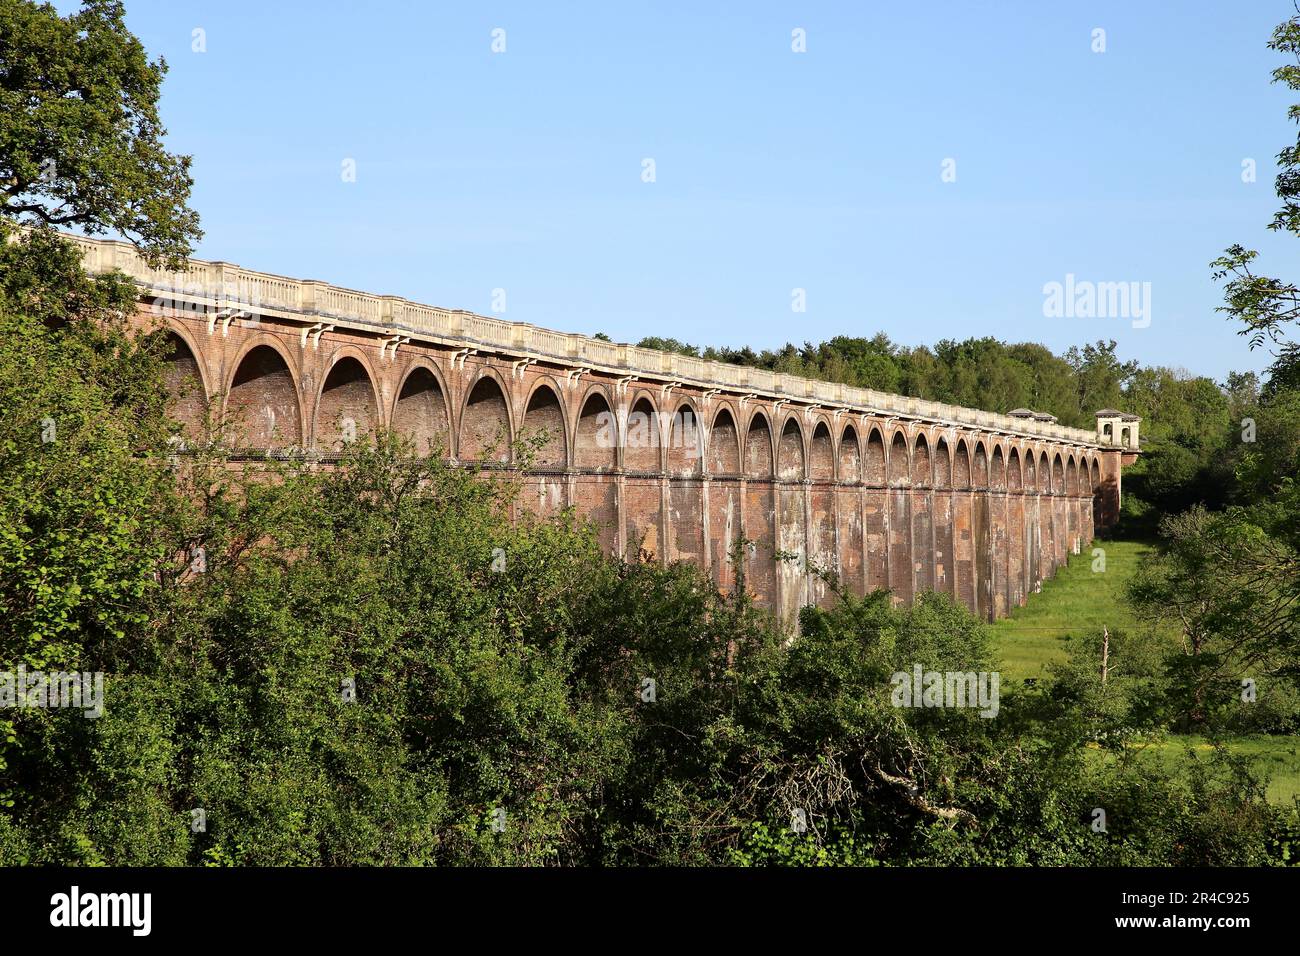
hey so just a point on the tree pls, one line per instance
(1266, 306)
(80, 137)
(1231, 590)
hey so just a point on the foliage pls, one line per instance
(351, 676)
(80, 137)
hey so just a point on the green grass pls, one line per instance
(1277, 758)
(1077, 600)
(1081, 601)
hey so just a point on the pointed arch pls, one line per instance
(347, 407)
(850, 456)
(874, 471)
(899, 466)
(685, 441)
(187, 392)
(262, 401)
(486, 432)
(998, 471)
(942, 465)
(596, 437)
(1030, 472)
(821, 454)
(641, 452)
(980, 469)
(790, 457)
(1071, 478)
(1015, 480)
(759, 458)
(922, 475)
(1058, 475)
(544, 424)
(961, 466)
(724, 444)
(420, 411)
(1044, 474)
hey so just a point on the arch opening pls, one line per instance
(874, 473)
(544, 428)
(961, 468)
(346, 408)
(685, 442)
(596, 444)
(262, 404)
(187, 401)
(420, 413)
(980, 472)
(485, 424)
(821, 460)
(790, 463)
(898, 464)
(758, 448)
(850, 456)
(998, 472)
(724, 445)
(942, 465)
(641, 438)
(921, 465)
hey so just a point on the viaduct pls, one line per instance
(669, 454)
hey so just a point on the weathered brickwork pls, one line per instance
(671, 457)
(678, 472)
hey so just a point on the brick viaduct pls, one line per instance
(668, 454)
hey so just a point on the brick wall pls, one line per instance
(672, 471)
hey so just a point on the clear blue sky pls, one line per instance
(775, 170)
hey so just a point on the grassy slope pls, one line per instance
(1079, 600)
(1076, 601)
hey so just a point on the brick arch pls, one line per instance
(791, 459)
(942, 464)
(486, 427)
(631, 398)
(1029, 472)
(546, 424)
(181, 331)
(186, 382)
(1058, 475)
(641, 435)
(1044, 474)
(850, 456)
(362, 358)
(262, 402)
(347, 403)
(596, 437)
(760, 449)
(420, 411)
(922, 465)
(899, 468)
(1071, 478)
(961, 466)
(1015, 477)
(821, 453)
(873, 472)
(685, 434)
(998, 470)
(1095, 484)
(980, 467)
(723, 443)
